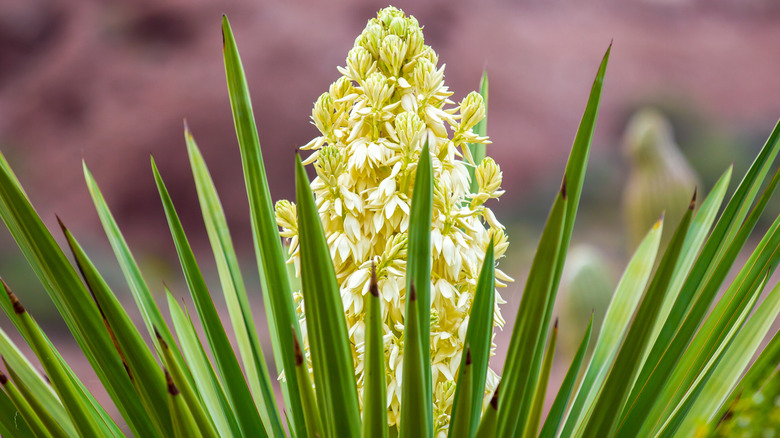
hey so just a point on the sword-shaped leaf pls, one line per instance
(235, 385)
(375, 387)
(479, 336)
(234, 291)
(277, 295)
(334, 371)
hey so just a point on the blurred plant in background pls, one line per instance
(660, 179)
(588, 283)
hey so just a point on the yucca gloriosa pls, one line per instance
(661, 366)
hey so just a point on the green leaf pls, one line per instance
(615, 327)
(143, 370)
(714, 333)
(32, 418)
(206, 381)
(310, 410)
(77, 406)
(184, 425)
(412, 398)
(334, 372)
(460, 426)
(418, 270)
(10, 424)
(187, 390)
(758, 374)
(555, 417)
(30, 380)
(731, 366)
(142, 296)
(700, 227)
(479, 337)
(43, 390)
(487, 426)
(514, 418)
(519, 376)
(700, 287)
(277, 296)
(374, 388)
(602, 420)
(234, 290)
(535, 418)
(236, 388)
(72, 301)
(478, 149)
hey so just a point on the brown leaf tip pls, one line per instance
(297, 350)
(563, 188)
(412, 292)
(556, 324)
(693, 200)
(160, 339)
(468, 355)
(3, 378)
(374, 285)
(18, 308)
(62, 224)
(494, 399)
(172, 389)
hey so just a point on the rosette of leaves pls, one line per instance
(668, 359)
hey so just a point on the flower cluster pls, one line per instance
(373, 121)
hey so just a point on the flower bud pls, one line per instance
(410, 129)
(286, 215)
(322, 114)
(392, 54)
(360, 63)
(414, 38)
(377, 90)
(398, 27)
(472, 111)
(489, 176)
(329, 165)
(372, 37)
(341, 88)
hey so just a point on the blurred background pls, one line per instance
(110, 83)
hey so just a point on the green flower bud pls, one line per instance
(377, 90)
(410, 129)
(323, 112)
(392, 54)
(360, 63)
(472, 111)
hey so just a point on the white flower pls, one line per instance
(373, 122)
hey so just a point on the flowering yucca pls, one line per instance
(668, 360)
(373, 121)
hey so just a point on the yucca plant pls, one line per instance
(663, 364)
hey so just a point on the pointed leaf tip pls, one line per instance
(556, 324)
(693, 199)
(172, 389)
(468, 355)
(62, 225)
(494, 399)
(3, 378)
(563, 188)
(159, 337)
(412, 292)
(297, 349)
(373, 286)
(18, 308)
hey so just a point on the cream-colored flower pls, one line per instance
(373, 122)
